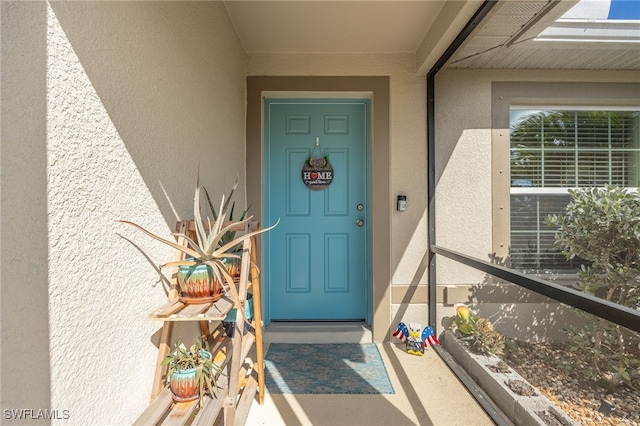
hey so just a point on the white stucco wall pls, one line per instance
(137, 94)
(408, 150)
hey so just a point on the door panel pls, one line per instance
(316, 258)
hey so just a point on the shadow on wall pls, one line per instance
(410, 270)
(410, 295)
(24, 241)
(516, 312)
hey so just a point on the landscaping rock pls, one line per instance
(517, 399)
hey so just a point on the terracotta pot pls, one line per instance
(198, 284)
(233, 265)
(183, 384)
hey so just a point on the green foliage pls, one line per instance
(479, 332)
(616, 361)
(602, 226)
(198, 357)
(464, 322)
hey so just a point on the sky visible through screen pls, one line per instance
(624, 9)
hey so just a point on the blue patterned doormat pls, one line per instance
(326, 369)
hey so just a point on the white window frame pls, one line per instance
(537, 94)
(564, 190)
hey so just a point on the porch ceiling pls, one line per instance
(332, 26)
(426, 28)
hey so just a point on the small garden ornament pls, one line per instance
(415, 339)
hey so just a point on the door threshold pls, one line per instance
(311, 332)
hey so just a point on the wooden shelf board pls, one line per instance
(157, 410)
(246, 399)
(213, 407)
(178, 311)
(166, 309)
(181, 413)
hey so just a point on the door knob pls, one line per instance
(360, 222)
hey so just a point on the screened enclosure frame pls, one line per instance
(505, 94)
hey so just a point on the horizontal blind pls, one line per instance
(531, 238)
(561, 149)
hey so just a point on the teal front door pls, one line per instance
(316, 259)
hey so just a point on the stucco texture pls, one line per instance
(138, 95)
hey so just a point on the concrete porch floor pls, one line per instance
(426, 391)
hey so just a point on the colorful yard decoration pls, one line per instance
(416, 340)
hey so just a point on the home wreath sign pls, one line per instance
(317, 173)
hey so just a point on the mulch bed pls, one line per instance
(586, 402)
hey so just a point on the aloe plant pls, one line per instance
(230, 235)
(208, 249)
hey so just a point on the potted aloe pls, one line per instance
(192, 372)
(203, 276)
(232, 264)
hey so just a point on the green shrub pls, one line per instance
(602, 226)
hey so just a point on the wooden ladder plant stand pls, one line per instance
(236, 390)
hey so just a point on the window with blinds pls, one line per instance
(553, 151)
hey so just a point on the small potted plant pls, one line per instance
(203, 275)
(192, 372)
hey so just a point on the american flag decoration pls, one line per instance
(429, 337)
(402, 332)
